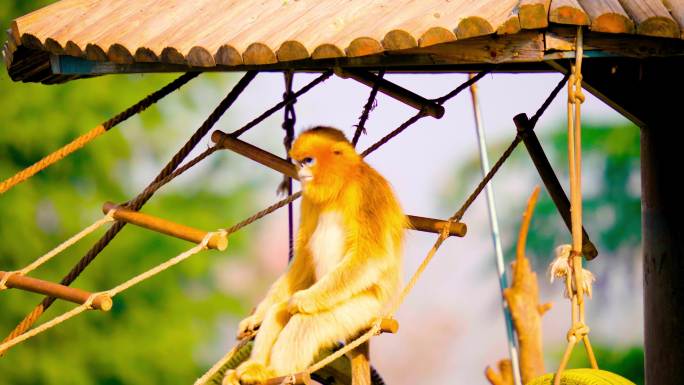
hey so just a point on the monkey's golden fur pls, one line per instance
(347, 262)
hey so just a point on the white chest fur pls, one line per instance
(327, 243)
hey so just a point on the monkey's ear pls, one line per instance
(341, 148)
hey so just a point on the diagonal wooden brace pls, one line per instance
(281, 165)
(548, 176)
(394, 91)
(101, 302)
(217, 241)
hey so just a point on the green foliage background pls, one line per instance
(156, 331)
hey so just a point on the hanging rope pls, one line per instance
(575, 278)
(138, 202)
(94, 133)
(367, 108)
(286, 186)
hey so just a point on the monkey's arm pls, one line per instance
(359, 270)
(298, 277)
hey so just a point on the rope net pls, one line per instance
(173, 169)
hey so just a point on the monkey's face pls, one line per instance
(325, 161)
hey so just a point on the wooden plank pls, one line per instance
(533, 13)
(651, 18)
(292, 50)
(607, 16)
(634, 46)
(511, 24)
(258, 53)
(676, 8)
(228, 55)
(568, 12)
(119, 54)
(436, 35)
(521, 47)
(145, 55)
(397, 39)
(200, 57)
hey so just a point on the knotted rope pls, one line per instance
(579, 331)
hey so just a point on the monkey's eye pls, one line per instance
(307, 161)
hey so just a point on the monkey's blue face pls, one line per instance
(305, 169)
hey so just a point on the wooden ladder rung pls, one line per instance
(102, 302)
(217, 241)
(281, 165)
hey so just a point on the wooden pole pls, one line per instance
(360, 364)
(217, 241)
(392, 90)
(548, 176)
(281, 165)
(635, 89)
(102, 302)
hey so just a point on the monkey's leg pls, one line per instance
(255, 370)
(305, 334)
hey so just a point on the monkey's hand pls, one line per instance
(248, 326)
(303, 302)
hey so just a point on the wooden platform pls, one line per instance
(76, 38)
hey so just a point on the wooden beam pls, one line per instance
(281, 165)
(102, 302)
(217, 241)
(548, 176)
(394, 91)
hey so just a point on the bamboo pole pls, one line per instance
(218, 241)
(102, 302)
(279, 164)
(392, 90)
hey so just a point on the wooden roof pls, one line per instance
(235, 34)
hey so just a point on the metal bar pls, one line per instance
(279, 164)
(217, 241)
(101, 302)
(548, 176)
(392, 90)
(496, 237)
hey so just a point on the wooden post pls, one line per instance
(636, 88)
(102, 302)
(548, 176)
(279, 164)
(360, 364)
(217, 241)
(662, 208)
(392, 90)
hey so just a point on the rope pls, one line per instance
(137, 203)
(286, 185)
(324, 76)
(223, 361)
(86, 138)
(63, 246)
(367, 108)
(579, 331)
(87, 305)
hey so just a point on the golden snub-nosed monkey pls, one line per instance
(347, 262)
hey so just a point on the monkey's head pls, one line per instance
(326, 162)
